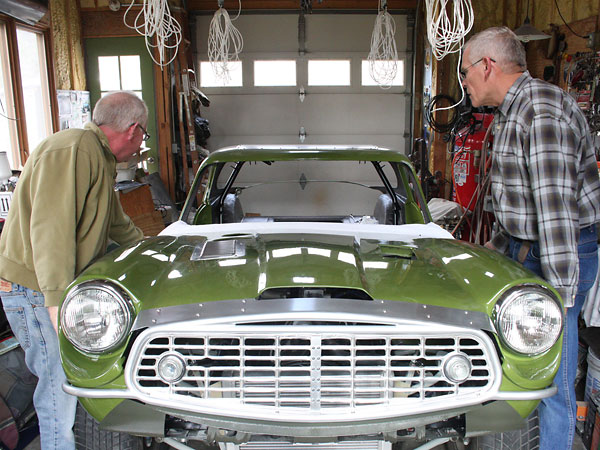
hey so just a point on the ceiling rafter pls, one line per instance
(280, 5)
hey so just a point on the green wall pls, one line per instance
(95, 47)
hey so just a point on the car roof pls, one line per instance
(294, 152)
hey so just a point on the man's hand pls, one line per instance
(53, 312)
(489, 245)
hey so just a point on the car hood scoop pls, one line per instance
(283, 262)
(198, 264)
(218, 249)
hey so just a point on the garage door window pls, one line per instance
(329, 72)
(381, 66)
(208, 77)
(275, 73)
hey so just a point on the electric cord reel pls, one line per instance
(432, 107)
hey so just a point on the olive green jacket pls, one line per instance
(63, 212)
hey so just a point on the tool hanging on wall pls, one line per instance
(582, 77)
(187, 135)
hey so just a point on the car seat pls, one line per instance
(232, 211)
(384, 210)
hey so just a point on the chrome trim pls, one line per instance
(126, 393)
(97, 393)
(312, 373)
(362, 311)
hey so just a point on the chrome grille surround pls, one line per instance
(312, 373)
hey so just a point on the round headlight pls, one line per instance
(529, 319)
(95, 317)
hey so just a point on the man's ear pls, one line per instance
(131, 131)
(487, 67)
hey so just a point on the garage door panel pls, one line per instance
(329, 114)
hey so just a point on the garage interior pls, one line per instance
(57, 57)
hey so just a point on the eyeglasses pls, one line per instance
(146, 136)
(465, 71)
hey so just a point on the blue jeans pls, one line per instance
(558, 413)
(31, 324)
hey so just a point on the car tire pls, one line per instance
(527, 438)
(89, 436)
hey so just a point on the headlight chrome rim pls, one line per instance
(123, 300)
(509, 298)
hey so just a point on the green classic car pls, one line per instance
(305, 299)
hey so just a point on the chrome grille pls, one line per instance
(316, 371)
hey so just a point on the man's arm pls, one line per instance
(53, 221)
(122, 229)
(553, 168)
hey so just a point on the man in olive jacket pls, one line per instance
(62, 215)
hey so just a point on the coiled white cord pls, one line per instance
(225, 43)
(155, 23)
(383, 55)
(447, 34)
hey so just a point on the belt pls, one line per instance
(525, 246)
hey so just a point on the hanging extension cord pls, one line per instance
(447, 34)
(383, 55)
(225, 42)
(157, 25)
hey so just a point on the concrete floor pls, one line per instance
(577, 444)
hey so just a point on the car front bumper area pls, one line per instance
(292, 369)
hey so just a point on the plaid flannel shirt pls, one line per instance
(545, 184)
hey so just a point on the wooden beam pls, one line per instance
(105, 24)
(166, 165)
(325, 5)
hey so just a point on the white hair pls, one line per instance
(501, 45)
(119, 110)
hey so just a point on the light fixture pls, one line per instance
(528, 32)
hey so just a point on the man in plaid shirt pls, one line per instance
(545, 191)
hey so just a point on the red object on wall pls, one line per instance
(467, 160)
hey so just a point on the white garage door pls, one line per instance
(350, 114)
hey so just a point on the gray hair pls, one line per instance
(119, 110)
(501, 45)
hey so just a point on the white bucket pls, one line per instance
(592, 380)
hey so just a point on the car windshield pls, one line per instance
(305, 190)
